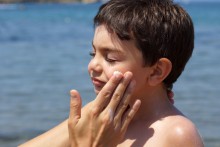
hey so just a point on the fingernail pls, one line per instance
(72, 94)
(73, 97)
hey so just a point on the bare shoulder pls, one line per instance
(182, 132)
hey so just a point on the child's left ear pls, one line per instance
(159, 71)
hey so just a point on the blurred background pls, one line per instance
(44, 52)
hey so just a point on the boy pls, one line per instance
(153, 39)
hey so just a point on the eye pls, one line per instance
(110, 60)
(92, 54)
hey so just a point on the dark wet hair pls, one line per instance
(160, 29)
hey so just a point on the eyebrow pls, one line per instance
(107, 49)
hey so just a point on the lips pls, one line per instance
(97, 82)
(98, 85)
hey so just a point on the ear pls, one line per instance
(159, 71)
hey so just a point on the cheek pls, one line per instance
(109, 70)
(122, 67)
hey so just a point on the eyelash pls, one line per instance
(92, 54)
(110, 60)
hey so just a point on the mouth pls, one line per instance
(98, 84)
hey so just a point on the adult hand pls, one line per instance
(170, 95)
(104, 121)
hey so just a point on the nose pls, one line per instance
(94, 66)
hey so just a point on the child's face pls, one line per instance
(112, 54)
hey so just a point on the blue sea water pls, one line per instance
(44, 52)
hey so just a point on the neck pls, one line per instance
(154, 104)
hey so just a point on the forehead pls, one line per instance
(105, 39)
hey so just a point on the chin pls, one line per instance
(96, 91)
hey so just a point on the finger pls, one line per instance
(120, 91)
(105, 94)
(170, 95)
(75, 106)
(130, 115)
(123, 105)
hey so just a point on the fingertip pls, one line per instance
(117, 75)
(74, 95)
(137, 104)
(170, 93)
(75, 105)
(138, 101)
(73, 92)
(128, 73)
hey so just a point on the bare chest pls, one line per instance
(143, 137)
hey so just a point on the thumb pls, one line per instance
(75, 106)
